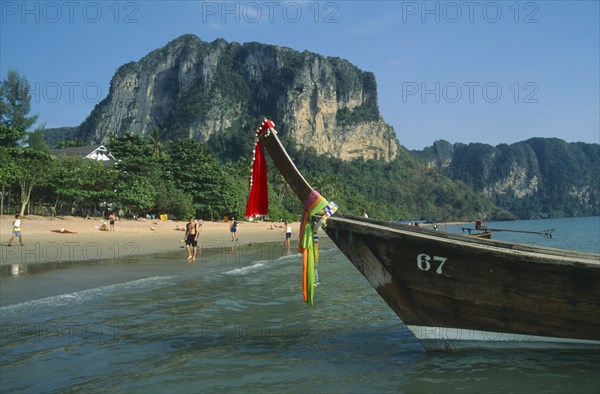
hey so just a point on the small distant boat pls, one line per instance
(486, 230)
(486, 235)
(454, 291)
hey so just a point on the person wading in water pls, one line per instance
(287, 228)
(233, 229)
(191, 239)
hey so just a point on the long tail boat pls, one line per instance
(454, 291)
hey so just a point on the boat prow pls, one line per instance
(458, 291)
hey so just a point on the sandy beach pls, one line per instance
(82, 239)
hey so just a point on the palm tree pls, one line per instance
(157, 143)
(326, 185)
(75, 142)
(282, 188)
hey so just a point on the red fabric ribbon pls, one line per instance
(258, 197)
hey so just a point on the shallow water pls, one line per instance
(234, 321)
(582, 234)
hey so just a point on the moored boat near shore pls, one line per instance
(485, 234)
(457, 291)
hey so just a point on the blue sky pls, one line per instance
(464, 71)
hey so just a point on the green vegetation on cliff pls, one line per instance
(401, 189)
(537, 178)
(196, 89)
(207, 98)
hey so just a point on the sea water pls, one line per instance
(582, 234)
(234, 321)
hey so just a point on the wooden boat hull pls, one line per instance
(449, 339)
(455, 291)
(482, 235)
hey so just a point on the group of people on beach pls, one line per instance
(111, 221)
(193, 227)
(16, 231)
(192, 230)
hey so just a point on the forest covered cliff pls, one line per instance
(536, 178)
(214, 92)
(327, 114)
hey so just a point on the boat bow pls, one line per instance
(456, 291)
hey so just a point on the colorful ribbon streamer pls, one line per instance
(313, 204)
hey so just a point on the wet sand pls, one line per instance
(82, 239)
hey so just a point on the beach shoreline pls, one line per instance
(63, 240)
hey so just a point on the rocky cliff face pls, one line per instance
(191, 88)
(540, 177)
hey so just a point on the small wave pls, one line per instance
(81, 296)
(260, 263)
(244, 270)
(291, 256)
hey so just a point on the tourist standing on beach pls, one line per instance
(479, 224)
(287, 228)
(233, 229)
(111, 218)
(16, 230)
(191, 239)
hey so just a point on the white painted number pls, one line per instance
(423, 262)
(442, 260)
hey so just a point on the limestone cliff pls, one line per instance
(540, 177)
(191, 88)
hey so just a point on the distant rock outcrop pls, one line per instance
(192, 88)
(539, 177)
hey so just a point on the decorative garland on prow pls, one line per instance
(258, 195)
(315, 205)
